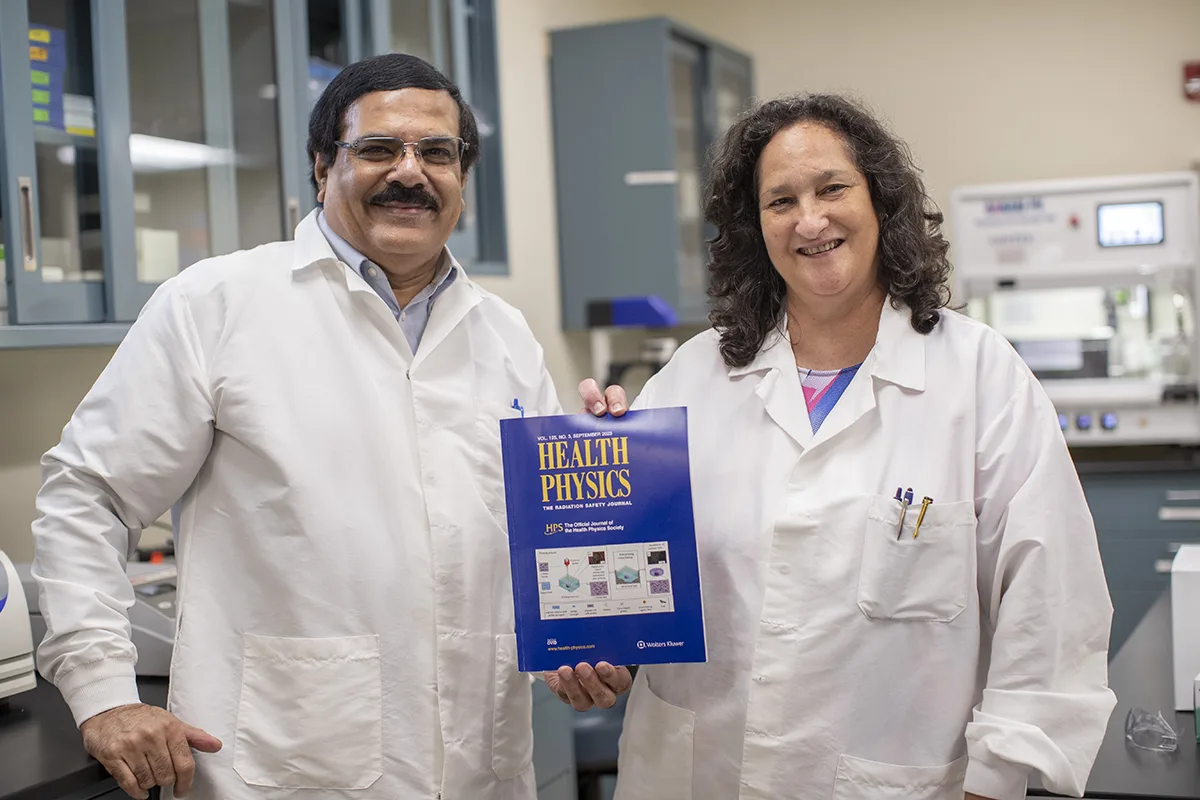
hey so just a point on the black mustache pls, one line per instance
(409, 195)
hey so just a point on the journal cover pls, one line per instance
(602, 539)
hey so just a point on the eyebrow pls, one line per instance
(825, 175)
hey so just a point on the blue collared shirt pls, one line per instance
(413, 317)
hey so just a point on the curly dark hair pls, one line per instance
(748, 292)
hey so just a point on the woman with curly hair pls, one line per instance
(903, 593)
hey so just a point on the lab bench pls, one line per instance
(41, 752)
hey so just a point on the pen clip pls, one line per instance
(926, 502)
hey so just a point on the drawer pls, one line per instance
(1134, 563)
(1132, 503)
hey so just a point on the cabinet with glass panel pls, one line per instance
(140, 136)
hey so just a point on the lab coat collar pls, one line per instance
(898, 356)
(899, 353)
(780, 389)
(453, 304)
(311, 246)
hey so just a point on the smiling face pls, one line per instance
(818, 222)
(399, 214)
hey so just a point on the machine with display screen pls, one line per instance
(1095, 283)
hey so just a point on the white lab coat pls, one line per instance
(843, 662)
(345, 607)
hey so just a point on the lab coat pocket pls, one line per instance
(927, 577)
(859, 779)
(310, 713)
(512, 717)
(656, 748)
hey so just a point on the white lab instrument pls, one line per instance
(16, 644)
(1095, 283)
(152, 617)
(1185, 623)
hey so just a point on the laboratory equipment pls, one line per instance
(1150, 731)
(152, 616)
(1095, 283)
(1185, 624)
(16, 642)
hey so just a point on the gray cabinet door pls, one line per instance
(636, 106)
(58, 236)
(1137, 539)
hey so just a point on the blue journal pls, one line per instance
(602, 539)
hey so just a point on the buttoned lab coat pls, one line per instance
(345, 620)
(844, 662)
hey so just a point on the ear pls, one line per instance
(321, 173)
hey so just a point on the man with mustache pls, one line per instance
(326, 413)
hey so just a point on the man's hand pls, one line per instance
(144, 746)
(584, 687)
(610, 401)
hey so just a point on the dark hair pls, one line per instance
(384, 73)
(748, 292)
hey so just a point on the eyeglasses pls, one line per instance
(438, 151)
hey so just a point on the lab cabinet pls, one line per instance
(1142, 516)
(553, 746)
(636, 106)
(129, 150)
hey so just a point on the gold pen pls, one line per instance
(925, 503)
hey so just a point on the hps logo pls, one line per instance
(553, 528)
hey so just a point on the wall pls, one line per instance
(38, 391)
(990, 91)
(982, 91)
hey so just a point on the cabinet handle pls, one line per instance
(293, 215)
(1179, 514)
(28, 246)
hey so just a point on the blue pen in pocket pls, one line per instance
(905, 500)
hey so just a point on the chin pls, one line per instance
(404, 239)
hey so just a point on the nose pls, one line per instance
(811, 219)
(408, 169)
